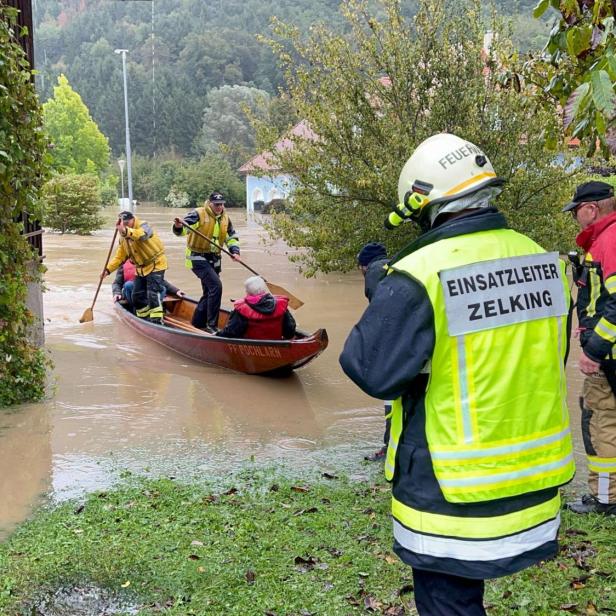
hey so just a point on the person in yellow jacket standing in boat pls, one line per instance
(468, 334)
(203, 256)
(140, 244)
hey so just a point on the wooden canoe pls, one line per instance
(239, 354)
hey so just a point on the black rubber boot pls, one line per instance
(589, 504)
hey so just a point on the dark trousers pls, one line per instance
(439, 594)
(148, 294)
(208, 307)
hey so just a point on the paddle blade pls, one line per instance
(294, 302)
(88, 315)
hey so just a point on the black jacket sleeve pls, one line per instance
(118, 282)
(288, 325)
(236, 326)
(393, 340)
(190, 219)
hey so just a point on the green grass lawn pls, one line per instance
(266, 546)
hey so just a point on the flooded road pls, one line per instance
(121, 404)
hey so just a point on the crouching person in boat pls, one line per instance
(260, 315)
(140, 244)
(124, 283)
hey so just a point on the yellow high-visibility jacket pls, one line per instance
(142, 246)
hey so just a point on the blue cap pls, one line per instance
(371, 252)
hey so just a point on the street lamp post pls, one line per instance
(129, 175)
(122, 162)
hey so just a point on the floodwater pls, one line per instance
(121, 404)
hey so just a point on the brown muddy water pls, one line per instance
(121, 404)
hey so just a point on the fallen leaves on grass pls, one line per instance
(303, 511)
(250, 576)
(579, 583)
(303, 565)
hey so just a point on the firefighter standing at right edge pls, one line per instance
(468, 334)
(594, 208)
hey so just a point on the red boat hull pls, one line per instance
(242, 355)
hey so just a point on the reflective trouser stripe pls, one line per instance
(144, 312)
(603, 488)
(475, 527)
(601, 465)
(468, 549)
(156, 313)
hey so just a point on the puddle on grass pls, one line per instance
(82, 601)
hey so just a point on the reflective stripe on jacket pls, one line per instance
(263, 326)
(143, 247)
(497, 422)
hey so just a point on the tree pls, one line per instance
(577, 70)
(156, 178)
(79, 146)
(23, 169)
(72, 203)
(226, 124)
(370, 97)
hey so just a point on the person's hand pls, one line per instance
(588, 366)
(177, 223)
(117, 297)
(577, 331)
(121, 227)
(236, 257)
(180, 293)
(104, 274)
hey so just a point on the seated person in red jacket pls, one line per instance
(260, 315)
(122, 286)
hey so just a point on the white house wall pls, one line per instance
(265, 189)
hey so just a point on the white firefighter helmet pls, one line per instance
(442, 168)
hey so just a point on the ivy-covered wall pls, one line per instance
(23, 170)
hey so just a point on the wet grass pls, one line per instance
(265, 546)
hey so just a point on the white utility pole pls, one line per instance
(128, 151)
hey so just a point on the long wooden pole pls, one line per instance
(294, 302)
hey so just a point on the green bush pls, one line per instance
(177, 198)
(72, 203)
(23, 169)
(155, 178)
(109, 191)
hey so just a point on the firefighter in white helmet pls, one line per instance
(468, 334)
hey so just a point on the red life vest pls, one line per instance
(130, 271)
(263, 326)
